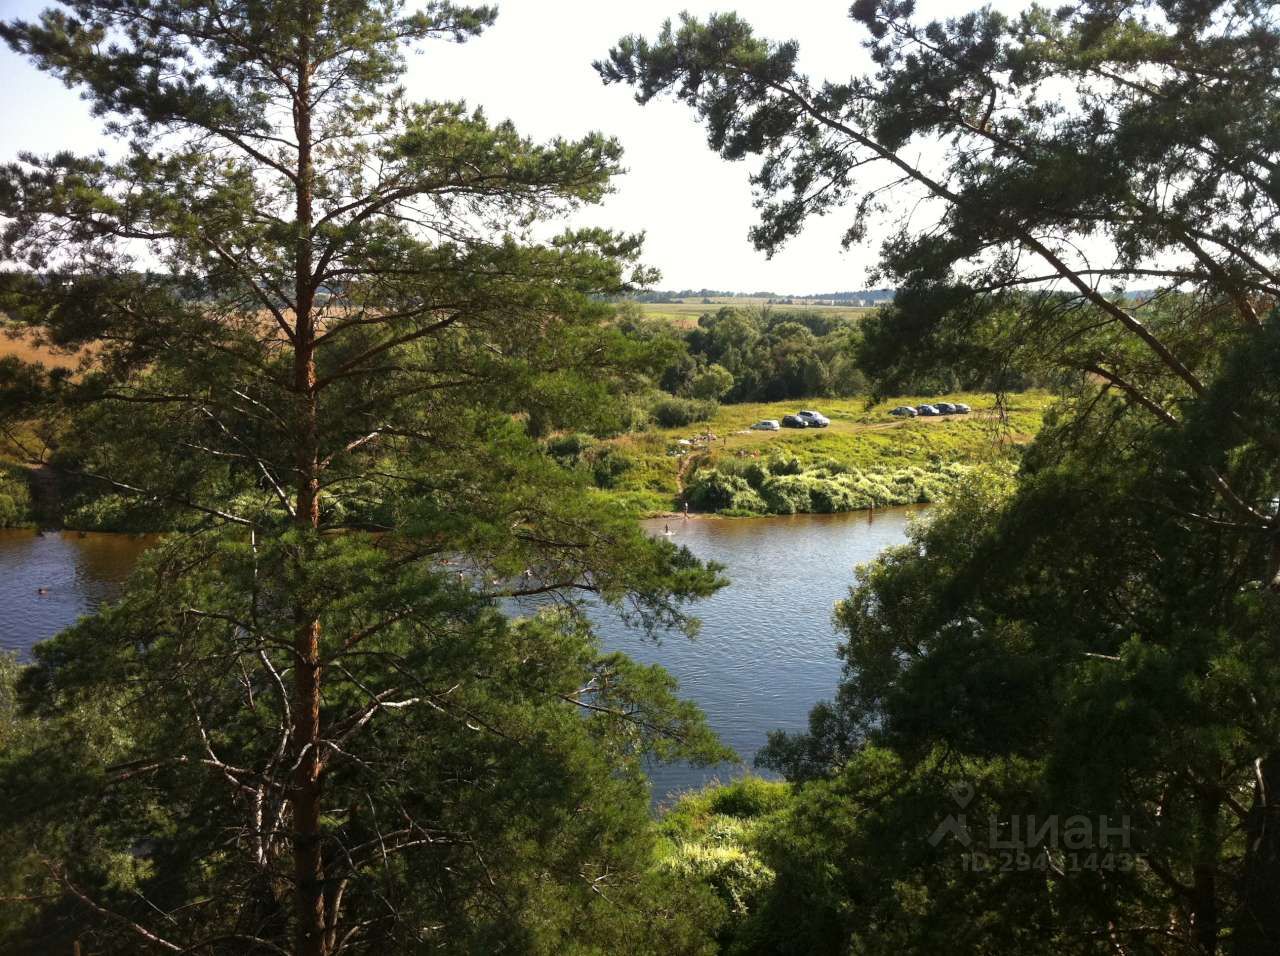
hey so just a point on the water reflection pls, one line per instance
(767, 649)
(49, 580)
(764, 656)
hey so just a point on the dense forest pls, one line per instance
(367, 402)
(764, 355)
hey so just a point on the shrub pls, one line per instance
(712, 490)
(785, 465)
(713, 835)
(786, 494)
(567, 449)
(737, 875)
(749, 797)
(830, 495)
(756, 474)
(678, 412)
(712, 383)
(782, 487)
(15, 499)
(608, 465)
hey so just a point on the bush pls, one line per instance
(678, 412)
(15, 499)
(567, 449)
(783, 487)
(786, 494)
(712, 490)
(831, 495)
(785, 465)
(712, 383)
(749, 797)
(608, 465)
(712, 837)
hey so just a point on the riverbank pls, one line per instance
(865, 459)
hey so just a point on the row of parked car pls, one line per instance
(805, 419)
(939, 408)
(811, 419)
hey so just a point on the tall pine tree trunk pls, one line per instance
(308, 862)
(1204, 889)
(1258, 931)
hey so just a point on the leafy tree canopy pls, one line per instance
(1098, 637)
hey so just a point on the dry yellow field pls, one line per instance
(25, 348)
(684, 314)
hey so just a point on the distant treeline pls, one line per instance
(677, 295)
(759, 354)
(763, 354)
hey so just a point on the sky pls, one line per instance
(534, 68)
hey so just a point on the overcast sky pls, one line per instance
(534, 67)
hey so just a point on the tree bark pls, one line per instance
(1258, 930)
(1204, 892)
(308, 860)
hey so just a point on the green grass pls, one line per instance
(709, 836)
(860, 436)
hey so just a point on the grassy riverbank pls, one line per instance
(653, 471)
(866, 458)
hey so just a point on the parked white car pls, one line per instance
(768, 425)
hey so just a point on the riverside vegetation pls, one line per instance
(307, 727)
(864, 459)
(1093, 637)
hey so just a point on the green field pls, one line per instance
(860, 436)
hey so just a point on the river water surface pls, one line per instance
(764, 656)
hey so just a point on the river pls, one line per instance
(764, 656)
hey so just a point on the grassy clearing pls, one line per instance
(860, 437)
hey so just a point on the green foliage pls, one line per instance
(782, 487)
(680, 412)
(716, 491)
(766, 354)
(1101, 637)
(712, 384)
(711, 837)
(307, 728)
(15, 498)
(516, 749)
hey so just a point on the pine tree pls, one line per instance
(316, 314)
